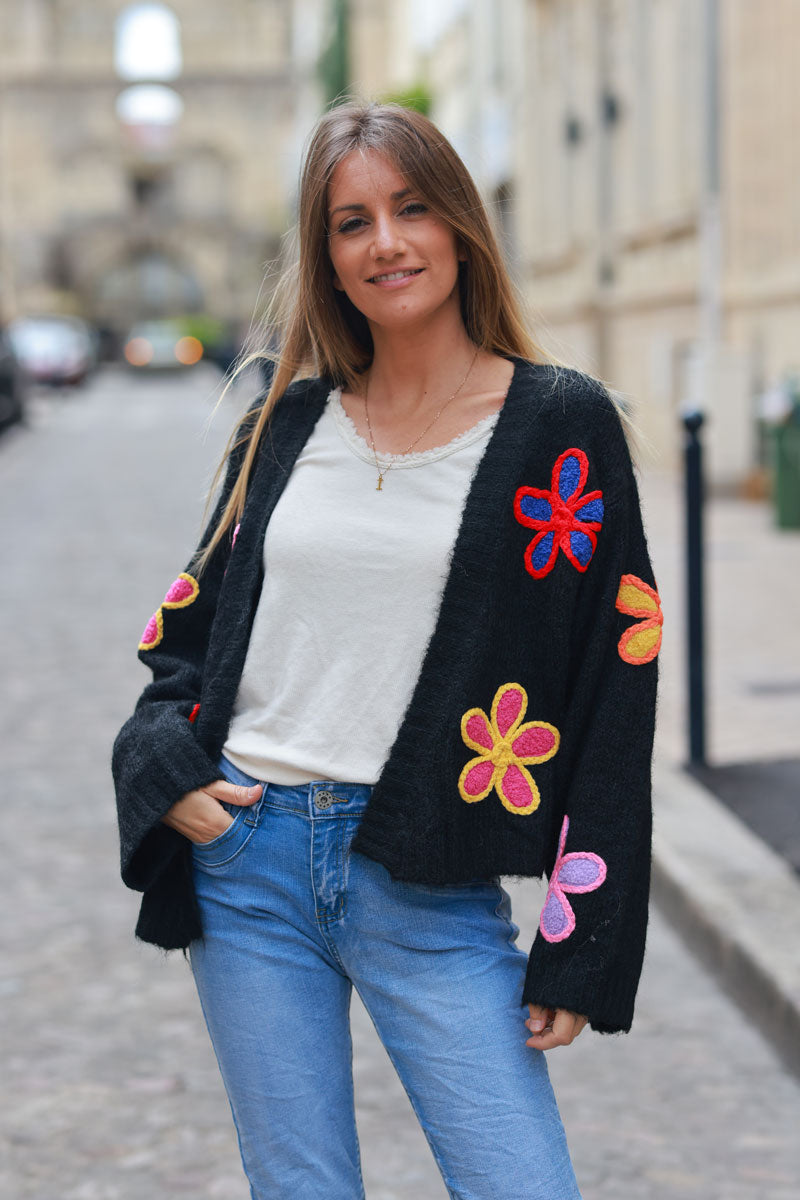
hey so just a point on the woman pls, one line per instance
(415, 651)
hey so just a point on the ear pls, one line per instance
(461, 253)
(337, 283)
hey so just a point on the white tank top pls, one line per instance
(353, 578)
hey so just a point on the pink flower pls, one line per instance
(505, 749)
(579, 871)
(184, 590)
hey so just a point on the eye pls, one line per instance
(415, 207)
(350, 225)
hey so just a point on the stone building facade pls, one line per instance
(119, 221)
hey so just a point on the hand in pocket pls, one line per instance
(199, 815)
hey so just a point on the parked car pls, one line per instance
(54, 350)
(161, 345)
(12, 384)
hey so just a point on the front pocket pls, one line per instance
(228, 844)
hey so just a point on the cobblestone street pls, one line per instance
(110, 1088)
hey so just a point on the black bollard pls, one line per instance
(694, 589)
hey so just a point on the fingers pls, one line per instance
(233, 793)
(553, 1027)
(540, 1016)
(199, 815)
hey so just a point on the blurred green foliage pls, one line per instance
(334, 63)
(333, 67)
(417, 97)
(207, 329)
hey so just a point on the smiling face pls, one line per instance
(395, 259)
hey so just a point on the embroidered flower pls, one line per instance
(579, 871)
(505, 749)
(183, 591)
(640, 642)
(565, 519)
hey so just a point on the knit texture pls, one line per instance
(555, 633)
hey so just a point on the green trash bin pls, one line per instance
(786, 475)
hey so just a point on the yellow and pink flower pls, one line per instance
(506, 748)
(183, 591)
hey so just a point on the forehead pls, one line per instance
(362, 174)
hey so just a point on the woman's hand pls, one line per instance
(553, 1026)
(200, 817)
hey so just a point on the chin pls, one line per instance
(402, 315)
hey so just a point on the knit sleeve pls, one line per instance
(589, 947)
(157, 757)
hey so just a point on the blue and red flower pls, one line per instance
(563, 518)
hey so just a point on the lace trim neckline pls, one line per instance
(416, 458)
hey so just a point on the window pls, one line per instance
(147, 43)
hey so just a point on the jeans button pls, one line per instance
(324, 799)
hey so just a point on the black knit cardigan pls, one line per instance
(526, 746)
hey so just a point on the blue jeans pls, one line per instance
(292, 921)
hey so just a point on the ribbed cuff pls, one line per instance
(607, 999)
(147, 845)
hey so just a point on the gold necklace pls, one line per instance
(382, 471)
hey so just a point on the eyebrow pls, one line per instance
(361, 207)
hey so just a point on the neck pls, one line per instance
(416, 369)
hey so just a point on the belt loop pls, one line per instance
(253, 814)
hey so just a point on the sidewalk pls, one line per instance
(752, 632)
(735, 900)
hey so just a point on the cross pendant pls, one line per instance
(379, 488)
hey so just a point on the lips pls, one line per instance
(391, 276)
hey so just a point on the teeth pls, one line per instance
(395, 275)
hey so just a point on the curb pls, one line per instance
(735, 902)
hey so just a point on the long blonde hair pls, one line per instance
(319, 331)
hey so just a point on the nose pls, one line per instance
(387, 238)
